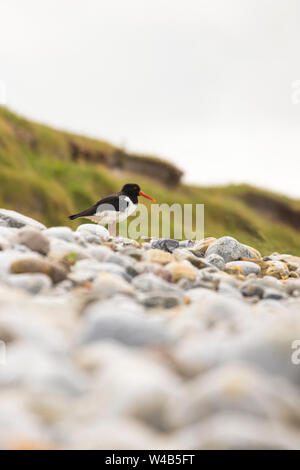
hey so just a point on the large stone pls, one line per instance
(148, 282)
(93, 266)
(62, 233)
(99, 253)
(160, 298)
(14, 219)
(39, 265)
(245, 267)
(34, 239)
(94, 229)
(7, 257)
(181, 271)
(34, 283)
(229, 248)
(159, 256)
(122, 320)
(108, 285)
(60, 248)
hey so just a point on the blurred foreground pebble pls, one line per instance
(113, 343)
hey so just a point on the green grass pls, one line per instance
(39, 179)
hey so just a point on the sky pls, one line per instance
(211, 85)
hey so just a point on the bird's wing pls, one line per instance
(100, 206)
(118, 202)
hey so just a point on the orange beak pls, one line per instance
(146, 195)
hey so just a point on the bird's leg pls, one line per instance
(112, 229)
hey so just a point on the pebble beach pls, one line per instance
(113, 343)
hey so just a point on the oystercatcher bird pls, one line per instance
(114, 208)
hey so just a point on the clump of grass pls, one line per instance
(71, 258)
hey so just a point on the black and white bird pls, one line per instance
(114, 208)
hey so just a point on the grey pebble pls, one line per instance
(122, 321)
(165, 244)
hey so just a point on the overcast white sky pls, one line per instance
(207, 84)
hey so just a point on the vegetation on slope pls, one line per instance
(39, 178)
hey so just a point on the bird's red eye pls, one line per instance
(135, 187)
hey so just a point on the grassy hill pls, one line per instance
(40, 177)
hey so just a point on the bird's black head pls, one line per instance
(133, 190)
